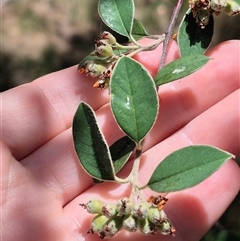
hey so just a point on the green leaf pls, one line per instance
(120, 151)
(180, 68)
(118, 15)
(138, 31)
(134, 99)
(90, 145)
(193, 40)
(187, 167)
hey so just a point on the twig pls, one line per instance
(169, 33)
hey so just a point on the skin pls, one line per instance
(42, 183)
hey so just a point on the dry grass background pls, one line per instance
(39, 37)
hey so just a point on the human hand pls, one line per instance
(43, 183)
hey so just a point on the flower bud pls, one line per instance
(156, 216)
(97, 223)
(130, 223)
(124, 206)
(141, 210)
(232, 8)
(109, 210)
(93, 206)
(111, 227)
(146, 227)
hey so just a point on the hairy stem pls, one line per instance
(148, 47)
(134, 179)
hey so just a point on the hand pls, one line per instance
(43, 183)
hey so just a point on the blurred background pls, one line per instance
(39, 37)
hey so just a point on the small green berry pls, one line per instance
(156, 216)
(130, 223)
(97, 223)
(93, 206)
(103, 48)
(111, 227)
(109, 210)
(124, 206)
(146, 227)
(107, 36)
(166, 228)
(141, 210)
(218, 5)
(232, 8)
(92, 68)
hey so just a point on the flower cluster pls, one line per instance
(145, 216)
(202, 9)
(102, 59)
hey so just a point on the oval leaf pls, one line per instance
(187, 167)
(134, 99)
(180, 68)
(192, 39)
(90, 145)
(118, 15)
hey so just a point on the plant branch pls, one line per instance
(148, 47)
(169, 33)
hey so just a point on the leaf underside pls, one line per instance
(90, 145)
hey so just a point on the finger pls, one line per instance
(185, 99)
(209, 128)
(34, 113)
(57, 166)
(105, 116)
(194, 210)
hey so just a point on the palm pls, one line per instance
(43, 183)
